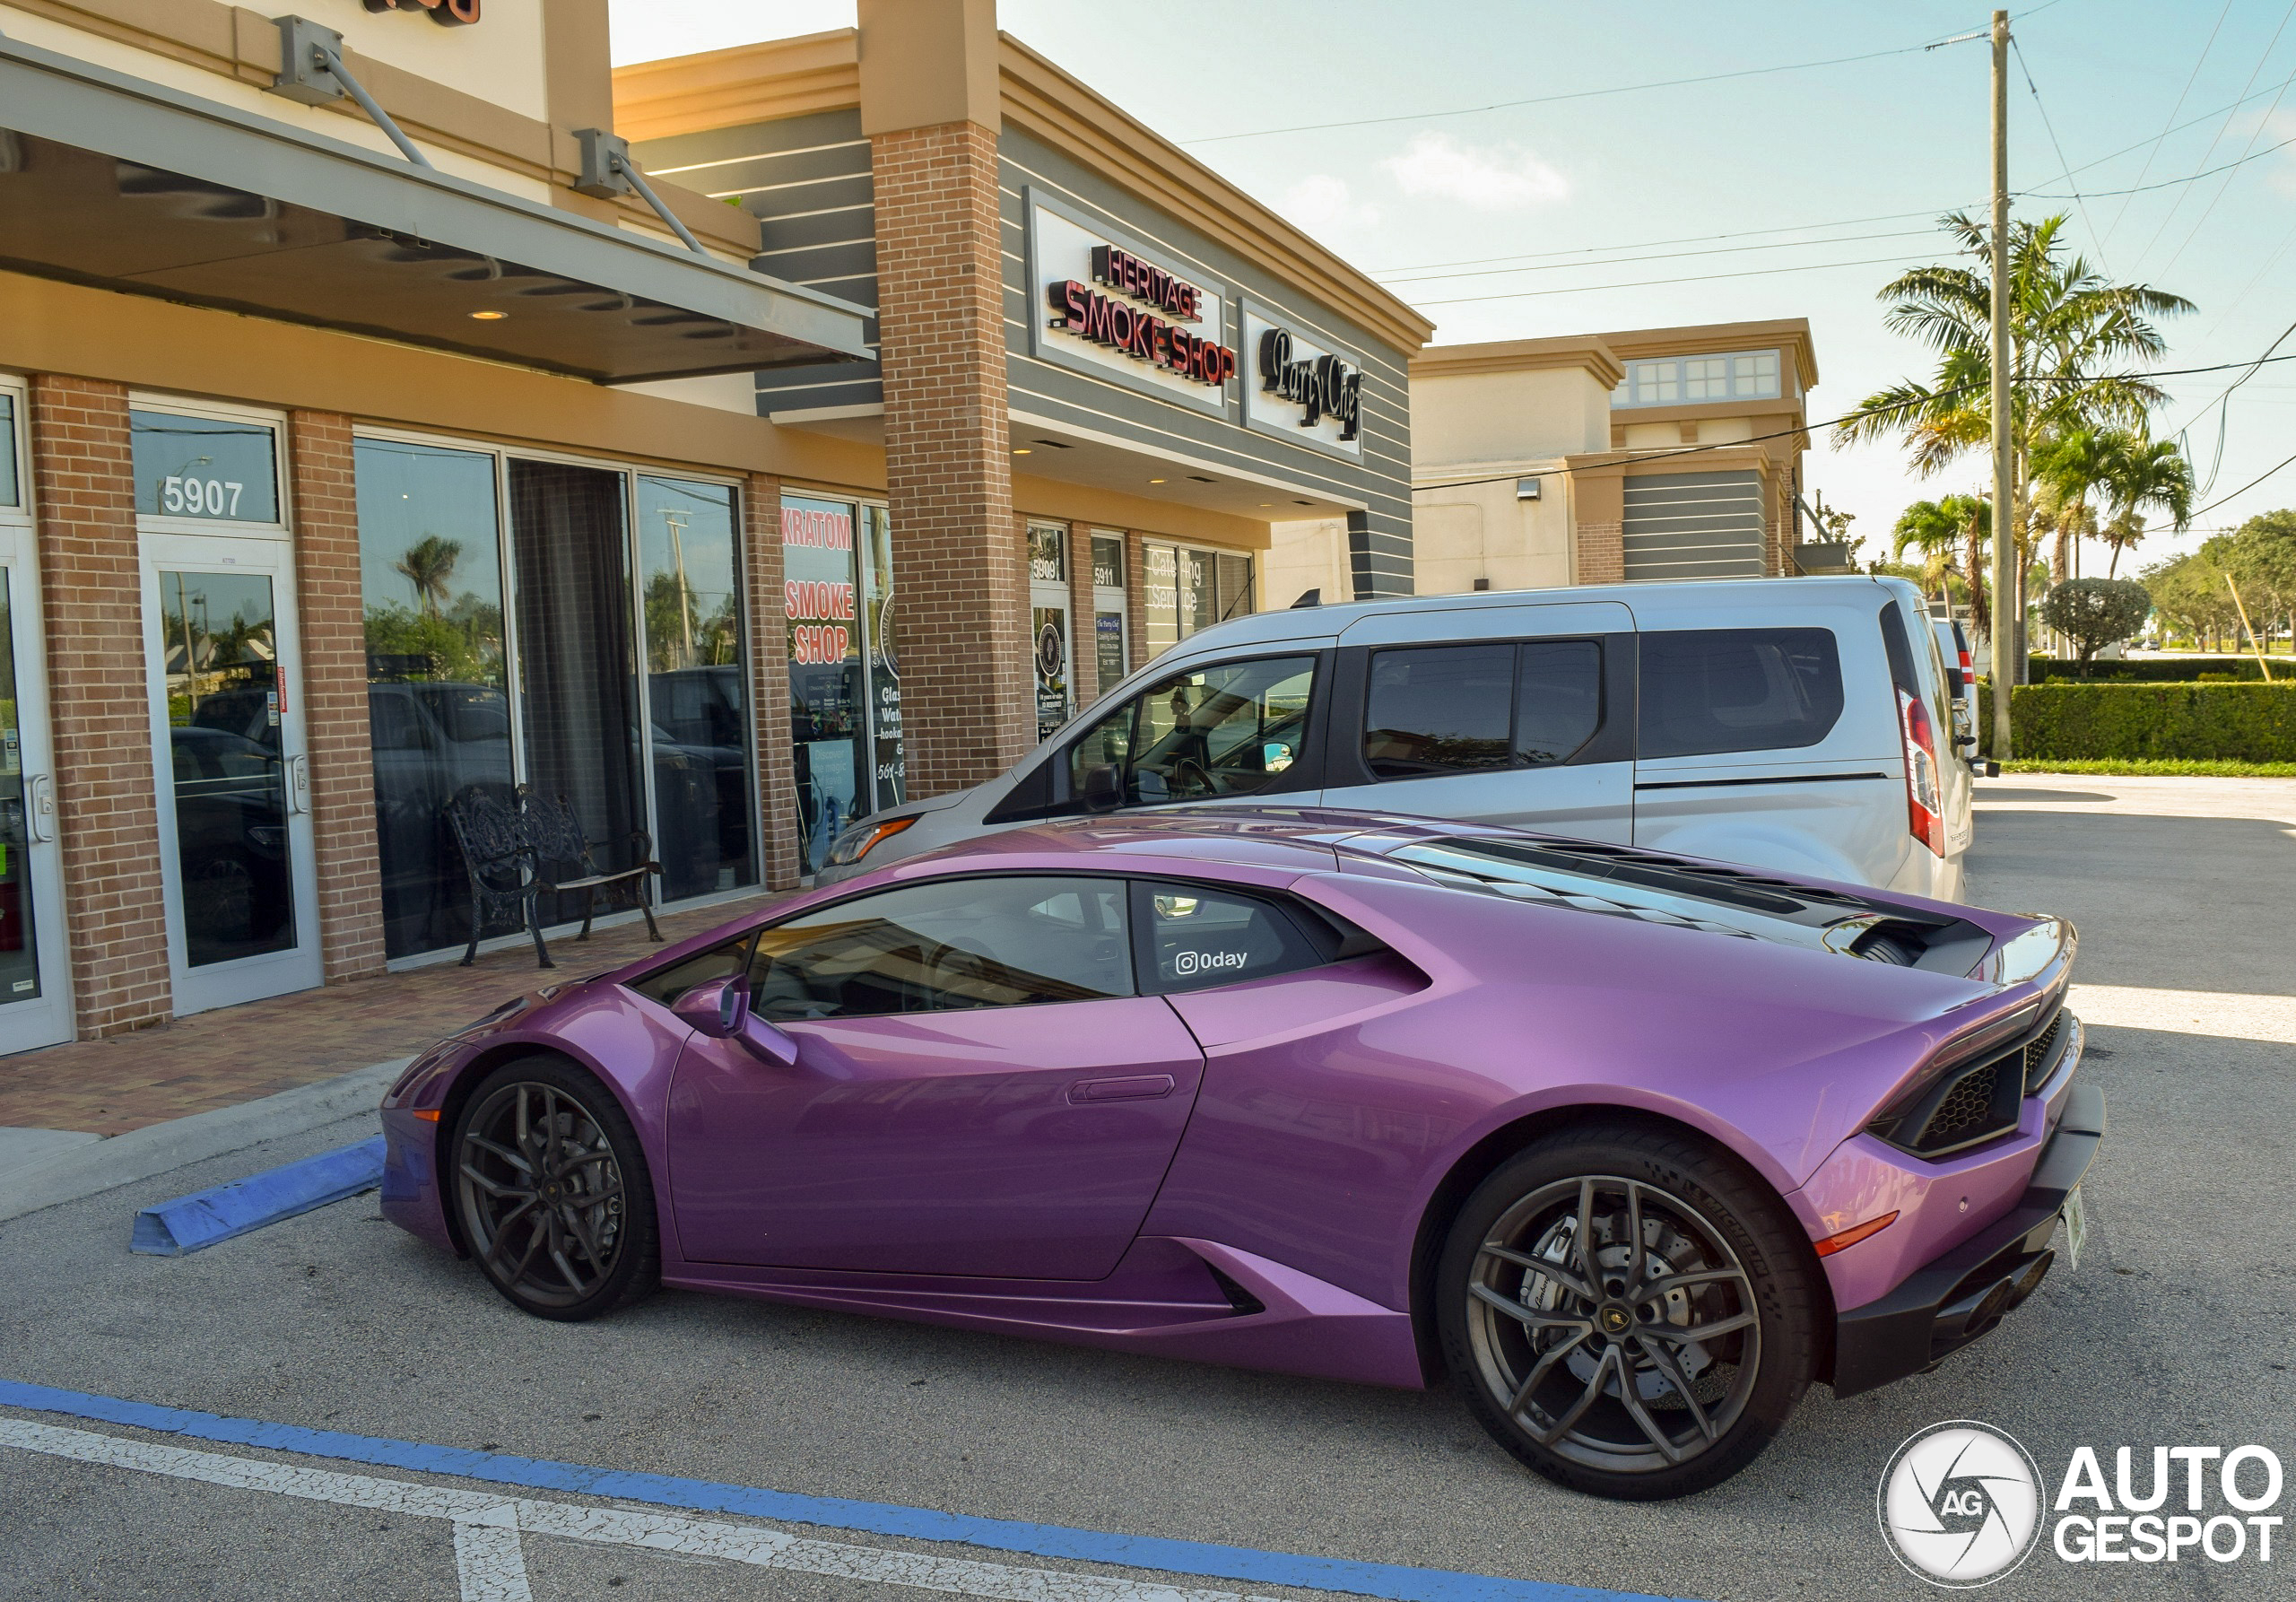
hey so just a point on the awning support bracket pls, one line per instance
(608, 173)
(312, 71)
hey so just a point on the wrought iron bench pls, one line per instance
(519, 846)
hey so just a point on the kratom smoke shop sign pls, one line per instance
(1117, 308)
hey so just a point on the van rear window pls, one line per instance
(1708, 691)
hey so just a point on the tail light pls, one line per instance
(1925, 794)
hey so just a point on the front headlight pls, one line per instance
(863, 837)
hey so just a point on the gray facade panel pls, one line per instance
(1693, 526)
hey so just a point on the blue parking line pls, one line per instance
(1298, 1570)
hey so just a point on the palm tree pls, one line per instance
(2150, 473)
(429, 565)
(1933, 528)
(2074, 336)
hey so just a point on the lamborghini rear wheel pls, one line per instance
(1628, 1312)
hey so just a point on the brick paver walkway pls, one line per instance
(236, 1054)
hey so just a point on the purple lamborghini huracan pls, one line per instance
(1634, 1147)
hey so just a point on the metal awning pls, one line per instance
(125, 184)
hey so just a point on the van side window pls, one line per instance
(1469, 708)
(1558, 700)
(1708, 691)
(1228, 729)
(1444, 709)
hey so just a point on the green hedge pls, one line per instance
(2156, 669)
(2248, 723)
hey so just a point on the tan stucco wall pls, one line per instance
(1305, 555)
(1472, 418)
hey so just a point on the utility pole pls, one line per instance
(2007, 614)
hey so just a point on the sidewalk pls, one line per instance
(237, 1054)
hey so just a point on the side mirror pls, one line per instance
(720, 1009)
(1104, 788)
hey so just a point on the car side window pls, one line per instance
(665, 985)
(1228, 729)
(1468, 708)
(1708, 691)
(1196, 937)
(947, 944)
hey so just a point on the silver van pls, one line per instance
(1802, 725)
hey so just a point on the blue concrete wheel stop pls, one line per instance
(191, 1222)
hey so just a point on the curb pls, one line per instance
(160, 1148)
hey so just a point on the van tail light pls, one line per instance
(1925, 794)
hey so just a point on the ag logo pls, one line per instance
(1961, 1504)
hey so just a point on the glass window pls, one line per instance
(10, 495)
(884, 657)
(1558, 700)
(18, 943)
(1199, 592)
(213, 468)
(1754, 373)
(1109, 661)
(1199, 937)
(1439, 709)
(1233, 576)
(1108, 744)
(696, 686)
(577, 659)
(1706, 377)
(1108, 561)
(1226, 730)
(948, 944)
(828, 711)
(437, 687)
(1706, 691)
(1656, 383)
(1050, 656)
(665, 985)
(1047, 553)
(1160, 585)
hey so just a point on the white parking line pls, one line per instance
(490, 1561)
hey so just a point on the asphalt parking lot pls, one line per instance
(2174, 1330)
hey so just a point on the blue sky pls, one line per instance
(1826, 180)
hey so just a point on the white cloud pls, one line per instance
(1502, 177)
(1323, 205)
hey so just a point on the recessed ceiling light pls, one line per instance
(1155, 481)
(1020, 450)
(1267, 503)
(490, 316)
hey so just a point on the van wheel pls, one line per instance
(1627, 1312)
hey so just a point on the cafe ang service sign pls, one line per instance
(1118, 310)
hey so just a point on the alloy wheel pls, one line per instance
(540, 1194)
(1613, 1323)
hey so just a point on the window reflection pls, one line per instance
(438, 690)
(698, 697)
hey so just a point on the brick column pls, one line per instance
(1084, 644)
(769, 652)
(332, 613)
(1597, 524)
(106, 784)
(966, 693)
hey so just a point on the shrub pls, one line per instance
(2182, 670)
(2097, 612)
(2189, 722)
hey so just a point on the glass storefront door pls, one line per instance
(35, 995)
(1049, 631)
(1111, 654)
(235, 827)
(829, 723)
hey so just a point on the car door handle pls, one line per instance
(1135, 1087)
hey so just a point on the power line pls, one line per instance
(1874, 261)
(1695, 239)
(2219, 138)
(2217, 198)
(1547, 100)
(1619, 261)
(2048, 128)
(2192, 78)
(2165, 183)
(2243, 489)
(2181, 127)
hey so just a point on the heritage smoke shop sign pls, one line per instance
(1117, 311)
(1300, 389)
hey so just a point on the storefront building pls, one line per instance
(1103, 376)
(369, 439)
